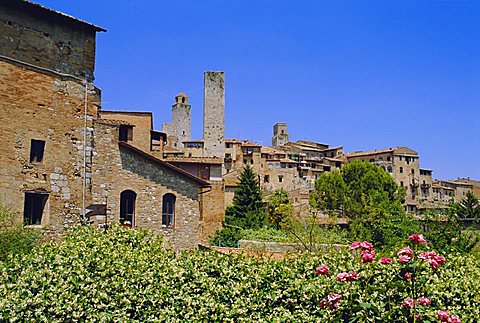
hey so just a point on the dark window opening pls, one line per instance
(37, 147)
(33, 208)
(266, 179)
(125, 133)
(127, 207)
(413, 172)
(280, 178)
(168, 210)
(401, 169)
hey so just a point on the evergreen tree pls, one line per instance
(469, 207)
(247, 210)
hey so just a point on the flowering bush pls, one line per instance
(127, 276)
(404, 303)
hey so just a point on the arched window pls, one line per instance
(127, 207)
(168, 210)
(389, 168)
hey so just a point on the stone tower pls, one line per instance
(178, 130)
(280, 134)
(214, 114)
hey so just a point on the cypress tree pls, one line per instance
(247, 210)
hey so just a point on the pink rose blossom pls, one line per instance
(355, 245)
(366, 245)
(323, 304)
(332, 303)
(427, 255)
(408, 276)
(418, 317)
(405, 252)
(386, 261)
(417, 239)
(404, 259)
(454, 319)
(368, 256)
(343, 277)
(424, 301)
(408, 303)
(443, 315)
(433, 263)
(352, 276)
(439, 259)
(322, 270)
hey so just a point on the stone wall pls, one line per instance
(213, 209)
(43, 41)
(118, 168)
(41, 106)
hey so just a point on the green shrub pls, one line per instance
(126, 275)
(14, 238)
(228, 236)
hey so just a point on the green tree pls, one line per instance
(330, 193)
(469, 207)
(279, 208)
(247, 210)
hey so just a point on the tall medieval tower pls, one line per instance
(280, 134)
(214, 114)
(178, 130)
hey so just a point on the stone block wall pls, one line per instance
(47, 42)
(39, 106)
(213, 209)
(117, 169)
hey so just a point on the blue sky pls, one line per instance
(362, 74)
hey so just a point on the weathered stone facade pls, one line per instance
(214, 115)
(178, 131)
(120, 167)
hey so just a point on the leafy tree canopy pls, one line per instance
(279, 208)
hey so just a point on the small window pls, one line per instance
(413, 172)
(251, 161)
(280, 178)
(388, 158)
(389, 169)
(401, 169)
(401, 183)
(372, 160)
(33, 208)
(37, 148)
(168, 210)
(245, 161)
(127, 207)
(125, 133)
(266, 179)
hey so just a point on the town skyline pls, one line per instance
(385, 75)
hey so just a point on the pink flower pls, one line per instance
(408, 303)
(386, 261)
(352, 276)
(408, 275)
(355, 245)
(443, 315)
(322, 270)
(427, 255)
(368, 256)
(343, 277)
(418, 317)
(405, 252)
(439, 259)
(454, 319)
(417, 239)
(424, 301)
(433, 263)
(404, 259)
(332, 303)
(323, 304)
(366, 245)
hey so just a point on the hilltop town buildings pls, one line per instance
(65, 160)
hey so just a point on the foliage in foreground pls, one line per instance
(14, 238)
(127, 275)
